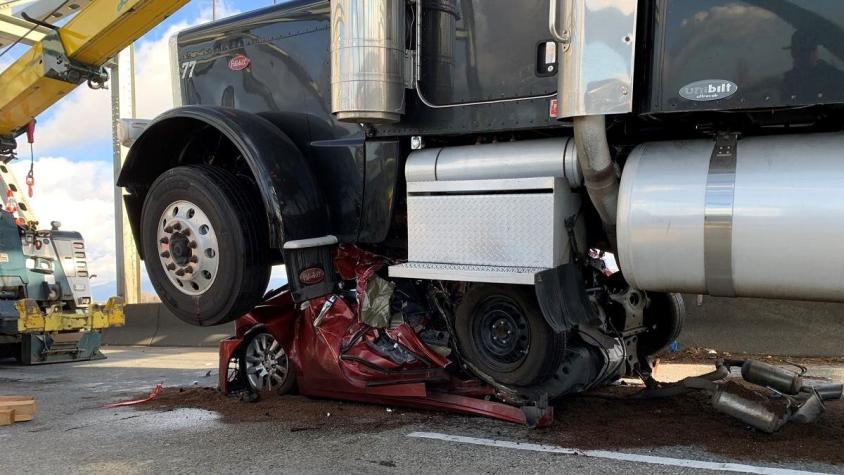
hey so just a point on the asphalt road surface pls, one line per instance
(71, 433)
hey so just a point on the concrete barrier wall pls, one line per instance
(735, 325)
(780, 327)
(151, 324)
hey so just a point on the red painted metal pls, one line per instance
(227, 349)
(339, 359)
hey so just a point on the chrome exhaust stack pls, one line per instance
(599, 173)
(588, 89)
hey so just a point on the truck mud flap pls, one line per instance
(562, 298)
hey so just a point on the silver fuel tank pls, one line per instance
(765, 221)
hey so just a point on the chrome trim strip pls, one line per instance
(312, 242)
(561, 37)
(175, 72)
(718, 217)
(466, 273)
(480, 186)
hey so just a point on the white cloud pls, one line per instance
(152, 71)
(80, 195)
(81, 119)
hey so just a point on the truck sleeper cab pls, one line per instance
(494, 152)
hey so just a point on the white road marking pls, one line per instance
(604, 454)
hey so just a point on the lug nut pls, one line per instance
(186, 232)
(177, 226)
(171, 266)
(193, 244)
(168, 229)
(194, 259)
(189, 270)
(165, 254)
(180, 272)
(165, 240)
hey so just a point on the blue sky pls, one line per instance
(73, 143)
(101, 149)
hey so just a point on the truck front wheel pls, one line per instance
(205, 244)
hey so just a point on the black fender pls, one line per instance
(294, 205)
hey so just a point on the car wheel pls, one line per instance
(265, 365)
(502, 332)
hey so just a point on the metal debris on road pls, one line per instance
(769, 398)
(152, 396)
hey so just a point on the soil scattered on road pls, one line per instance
(299, 413)
(601, 420)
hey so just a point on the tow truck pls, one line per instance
(446, 180)
(46, 311)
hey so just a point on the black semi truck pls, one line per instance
(497, 152)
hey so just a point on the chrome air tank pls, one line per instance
(764, 218)
(367, 60)
(555, 157)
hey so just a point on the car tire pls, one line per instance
(502, 332)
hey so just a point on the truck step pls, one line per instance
(466, 273)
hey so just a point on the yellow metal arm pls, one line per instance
(31, 84)
(31, 319)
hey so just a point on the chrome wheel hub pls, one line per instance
(267, 365)
(188, 248)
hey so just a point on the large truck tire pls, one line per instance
(502, 332)
(205, 243)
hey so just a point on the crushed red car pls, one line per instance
(325, 349)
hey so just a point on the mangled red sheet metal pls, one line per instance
(336, 354)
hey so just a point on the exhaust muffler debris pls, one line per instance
(771, 397)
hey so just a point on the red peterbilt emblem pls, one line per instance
(311, 276)
(239, 63)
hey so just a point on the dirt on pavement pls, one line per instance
(607, 419)
(297, 412)
(601, 421)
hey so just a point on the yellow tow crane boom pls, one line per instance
(69, 55)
